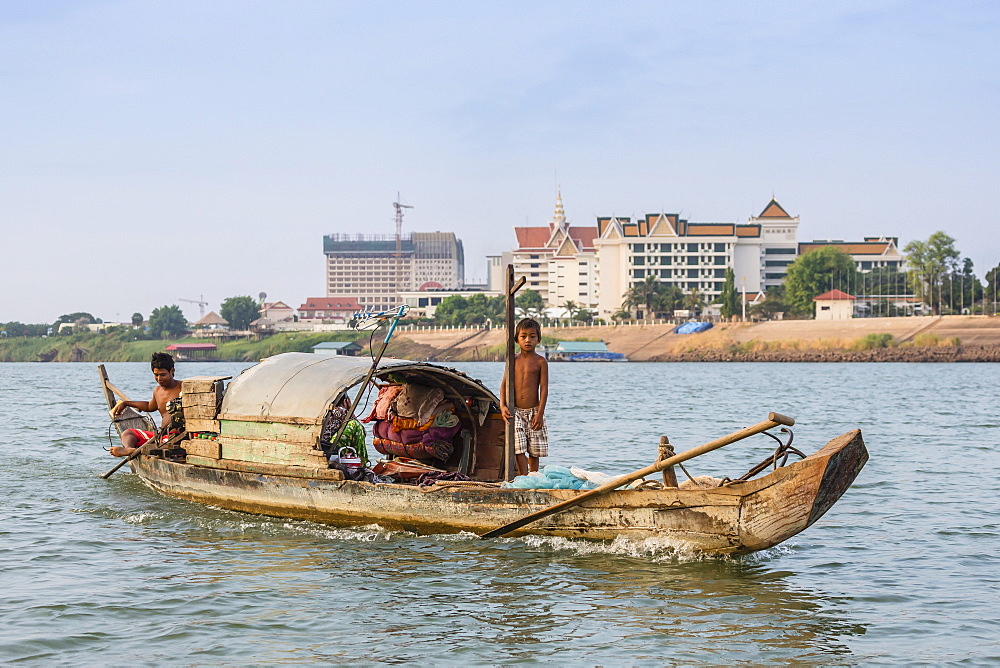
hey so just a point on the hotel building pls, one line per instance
(372, 270)
(693, 256)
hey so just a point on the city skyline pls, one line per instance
(222, 141)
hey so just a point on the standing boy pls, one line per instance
(167, 388)
(531, 391)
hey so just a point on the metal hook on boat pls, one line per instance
(780, 453)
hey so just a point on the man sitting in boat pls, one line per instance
(167, 388)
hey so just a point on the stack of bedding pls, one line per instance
(414, 421)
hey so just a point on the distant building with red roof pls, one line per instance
(834, 305)
(328, 309)
(872, 253)
(558, 260)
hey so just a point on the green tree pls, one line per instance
(928, 261)
(451, 310)
(239, 312)
(650, 299)
(137, 319)
(644, 294)
(960, 288)
(14, 329)
(991, 298)
(457, 311)
(78, 318)
(668, 299)
(692, 300)
(569, 308)
(885, 281)
(729, 300)
(167, 322)
(817, 272)
(79, 315)
(529, 303)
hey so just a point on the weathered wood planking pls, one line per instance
(273, 418)
(276, 431)
(200, 412)
(202, 383)
(270, 452)
(775, 513)
(203, 447)
(200, 399)
(310, 472)
(201, 424)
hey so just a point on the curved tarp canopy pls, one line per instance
(299, 387)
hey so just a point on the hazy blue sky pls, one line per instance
(157, 150)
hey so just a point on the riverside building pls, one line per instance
(872, 253)
(693, 256)
(376, 269)
(558, 261)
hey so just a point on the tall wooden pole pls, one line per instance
(510, 463)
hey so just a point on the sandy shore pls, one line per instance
(921, 339)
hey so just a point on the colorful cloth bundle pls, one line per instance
(414, 421)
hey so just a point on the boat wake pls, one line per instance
(655, 548)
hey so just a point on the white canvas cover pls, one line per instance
(300, 386)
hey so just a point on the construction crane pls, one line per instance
(399, 242)
(200, 302)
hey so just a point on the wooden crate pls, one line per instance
(200, 424)
(490, 448)
(203, 447)
(198, 384)
(202, 398)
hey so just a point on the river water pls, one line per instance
(903, 569)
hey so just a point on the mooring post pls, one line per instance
(667, 451)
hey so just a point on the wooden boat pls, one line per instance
(266, 459)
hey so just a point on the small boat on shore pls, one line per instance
(257, 446)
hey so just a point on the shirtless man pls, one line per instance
(167, 388)
(531, 391)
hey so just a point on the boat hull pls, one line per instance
(733, 519)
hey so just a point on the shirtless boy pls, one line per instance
(531, 391)
(167, 388)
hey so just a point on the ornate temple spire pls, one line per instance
(559, 217)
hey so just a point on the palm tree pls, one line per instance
(644, 294)
(669, 299)
(570, 308)
(693, 300)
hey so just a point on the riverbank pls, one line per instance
(920, 339)
(111, 348)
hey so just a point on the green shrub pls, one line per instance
(927, 340)
(870, 341)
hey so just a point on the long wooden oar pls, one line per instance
(138, 451)
(773, 420)
(121, 395)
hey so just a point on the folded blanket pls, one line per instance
(417, 402)
(386, 395)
